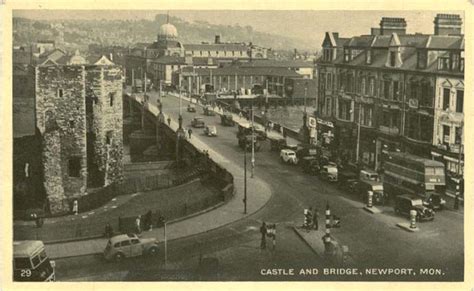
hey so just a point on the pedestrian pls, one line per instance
(273, 235)
(309, 219)
(240, 114)
(109, 231)
(75, 207)
(190, 131)
(315, 219)
(456, 202)
(38, 220)
(148, 221)
(138, 225)
(169, 121)
(263, 231)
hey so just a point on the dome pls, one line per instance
(167, 31)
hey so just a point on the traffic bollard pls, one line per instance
(412, 218)
(370, 195)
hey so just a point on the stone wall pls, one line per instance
(105, 84)
(61, 120)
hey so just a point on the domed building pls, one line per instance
(167, 32)
(167, 43)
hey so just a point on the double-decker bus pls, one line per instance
(31, 263)
(409, 174)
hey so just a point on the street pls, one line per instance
(374, 240)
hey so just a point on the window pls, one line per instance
(458, 136)
(135, 241)
(392, 59)
(426, 99)
(35, 261)
(395, 90)
(108, 137)
(459, 100)
(60, 92)
(71, 123)
(362, 85)
(446, 131)
(461, 65)
(368, 57)
(422, 59)
(443, 63)
(117, 245)
(386, 89)
(329, 80)
(125, 243)
(111, 98)
(347, 55)
(446, 93)
(455, 61)
(22, 263)
(372, 86)
(74, 166)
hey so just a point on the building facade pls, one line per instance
(384, 91)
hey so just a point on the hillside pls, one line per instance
(78, 34)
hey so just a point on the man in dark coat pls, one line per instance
(263, 231)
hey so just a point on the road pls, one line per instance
(374, 240)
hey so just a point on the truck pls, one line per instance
(406, 173)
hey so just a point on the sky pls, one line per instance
(303, 24)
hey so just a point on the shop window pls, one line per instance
(74, 167)
(459, 100)
(446, 134)
(446, 93)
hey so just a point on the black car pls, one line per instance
(434, 201)
(405, 203)
(310, 165)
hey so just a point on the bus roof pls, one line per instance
(26, 248)
(410, 157)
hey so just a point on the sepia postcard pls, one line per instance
(199, 144)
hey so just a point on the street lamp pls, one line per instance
(245, 179)
(180, 131)
(253, 143)
(358, 135)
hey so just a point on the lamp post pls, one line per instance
(245, 180)
(358, 134)
(180, 131)
(253, 144)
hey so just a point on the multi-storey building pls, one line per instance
(393, 85)
(76, 124)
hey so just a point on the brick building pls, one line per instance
(393, 84)
(76, 123)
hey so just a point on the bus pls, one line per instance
(409, 174)
(31, 263)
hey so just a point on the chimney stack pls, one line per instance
(389, 25)
(217, 39)
(445, 24)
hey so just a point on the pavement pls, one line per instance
(212, 218)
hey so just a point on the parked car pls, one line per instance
(329, 172)
(197, 122)
(288, 156)
(347, 180)
(129, 245)
(434, 201)
(191, 108)
(405, 203)
(208, 111)
(364, 186)
(210, 130)
(369, 175)
(310, 165)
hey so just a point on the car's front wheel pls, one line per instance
(118, 257)
(153, 251)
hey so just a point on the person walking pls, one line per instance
(190, 131)
(273, 234)
(75, 207)
(169, 121)
(315, 219)
(109, 231)
(138, 225)
(456, 202)
(263, 231)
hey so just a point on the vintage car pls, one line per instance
(329, 172)
(376, 187)
(405, 203)
(197, 122)
(288, 156)
(129, 245)
(434, 201)
(227, 119)
(191, 108)
(208, 111)
(310, 165)
(210, 130)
